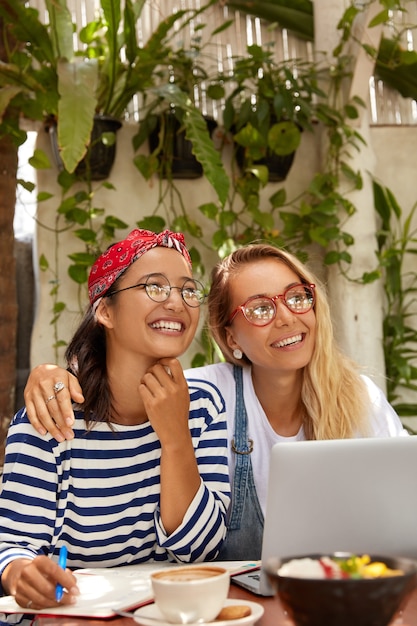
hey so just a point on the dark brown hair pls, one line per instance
(86, 358)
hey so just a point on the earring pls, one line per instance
(237, 353)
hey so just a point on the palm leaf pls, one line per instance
(196, 132)
(296, 15)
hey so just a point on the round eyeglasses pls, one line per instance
(261, 310)
(158, 289)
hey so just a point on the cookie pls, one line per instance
(234, 612)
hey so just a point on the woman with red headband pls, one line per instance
(284, 379)
(144, 476)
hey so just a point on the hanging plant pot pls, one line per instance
(175, 155)
(99, 160)
(278, 166)
(283, 140)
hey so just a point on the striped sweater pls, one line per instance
(99, 493)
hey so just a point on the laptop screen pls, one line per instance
(351, 495)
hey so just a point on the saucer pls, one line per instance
(156, 619)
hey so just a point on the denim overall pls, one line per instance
(246, 521)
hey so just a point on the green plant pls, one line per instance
(394, 64)
(296, 15)
(46, 76)
(397, 247)
(318, 215)
(172, 118)
(271, 103)
(77, 211)
(269, 107)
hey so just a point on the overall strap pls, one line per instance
(242, 446)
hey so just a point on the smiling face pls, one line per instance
(287, 343)
(139, 326)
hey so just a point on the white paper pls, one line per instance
(104, 589)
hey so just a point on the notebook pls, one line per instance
(104, 591)
(353, 495)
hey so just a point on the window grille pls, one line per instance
(387, 106)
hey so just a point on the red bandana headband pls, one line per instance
(118, 257)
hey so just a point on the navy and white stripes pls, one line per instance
(99, 493)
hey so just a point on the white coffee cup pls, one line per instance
(190, 593)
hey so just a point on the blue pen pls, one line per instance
(62, 562)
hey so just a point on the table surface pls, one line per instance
(274, 614)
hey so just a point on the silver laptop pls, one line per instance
(354, 495)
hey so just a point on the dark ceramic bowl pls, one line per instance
(343, 602)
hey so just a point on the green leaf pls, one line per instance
(193, 228)
(114, 222)
(203, 148)
(351, 112)
(209, 209)
(215, 92)
(284, 138)
(195, 256)
(59, 307)
(296, 15)
(44, 195)
(198, 360)
(334, 256)
(279, 198)
(26, 184)
(61, 28)
(381, 204)
(147, 165)
(82, 258)
(76, 215)
(319, 236)
(249, 137)
(393, 203)
(60, 343)
(180, 223)
(219, 239)
(156, 223)
(78, 273)
(7, 93)
(87, 235)
(77, 84)
(381, 18)
(40, 160)
(265, 220)
(108, 138)
(261, 172)
(43, 263)
(227, 248)
(370, 277)
(292, 222)
(226, 218)
(351, 175)
(390, 67)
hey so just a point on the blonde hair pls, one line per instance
(333, 394)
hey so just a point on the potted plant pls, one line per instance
(395, 64)
(183, 80)
(268, 108)
(47, 78)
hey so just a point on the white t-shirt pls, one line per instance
(383, 419)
